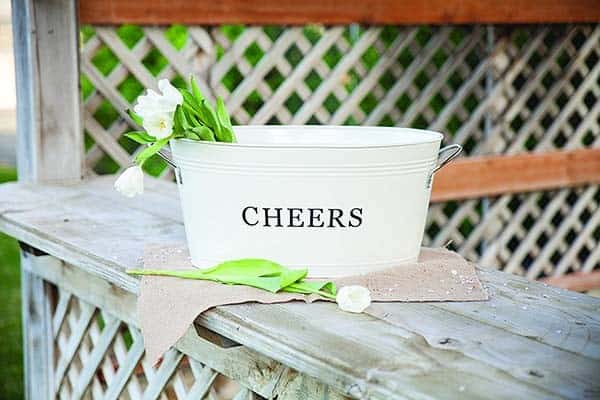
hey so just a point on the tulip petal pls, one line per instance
(130, 182)
(353, 298)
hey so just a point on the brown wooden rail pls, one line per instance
(577, 281)
(337, 11)
(494, 175)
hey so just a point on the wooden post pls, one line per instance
(49, 132)
(38, 346)
(49, 149)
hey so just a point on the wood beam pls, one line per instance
(111, 12)
(577, 281)
(495, 175)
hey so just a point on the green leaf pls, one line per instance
(189, 101)
(222, 113)
(188, 135)
(228, 136)
(290, 276)
(264, 274)
(180, 123)
(322, 288)
(151, 150)
(193, 107)
(210, 119)
(204, 133)
(140, 137)
(258, 273)
(135, 117)
(197, 112)
(223, 117)
(191, 117)
(248, 266)
(190, 109)
(208, 116)
(195, 89)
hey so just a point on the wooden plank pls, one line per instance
(495, 175)
(553, 316)
(496, 350)
(38, 345)
(367, 356)
(493, 346)
(113, 12)
(50, 140)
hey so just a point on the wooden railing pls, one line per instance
(212, 12)
(496, 175)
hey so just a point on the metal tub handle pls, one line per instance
(168, 157)
(445, 155)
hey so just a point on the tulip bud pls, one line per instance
(353, 298)
(130, 182)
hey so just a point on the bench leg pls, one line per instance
(37, 333)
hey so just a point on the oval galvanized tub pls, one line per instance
(339, 200)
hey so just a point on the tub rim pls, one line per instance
(428, 137)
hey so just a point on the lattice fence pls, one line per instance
(493, 89)
(98, 356)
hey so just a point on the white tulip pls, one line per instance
(171, 97)
(153, 103)
(130, 182)
(150, 104)
(353, 298)
(159, 125)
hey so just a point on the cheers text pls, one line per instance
(278, 217)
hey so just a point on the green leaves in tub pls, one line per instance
(255, 272)
(172, 114)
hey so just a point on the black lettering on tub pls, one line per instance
(356, 216)
(298, 217)
(295, 218)
(269, 215)
(335, 214)
(315, 217)
(245, 217)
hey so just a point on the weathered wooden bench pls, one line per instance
(528, 341)
(77, 236)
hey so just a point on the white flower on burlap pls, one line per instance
(353, 298)
(130, 182)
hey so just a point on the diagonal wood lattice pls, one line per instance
(99, 356)
(493, 89)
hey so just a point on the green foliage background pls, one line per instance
(11, 373)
